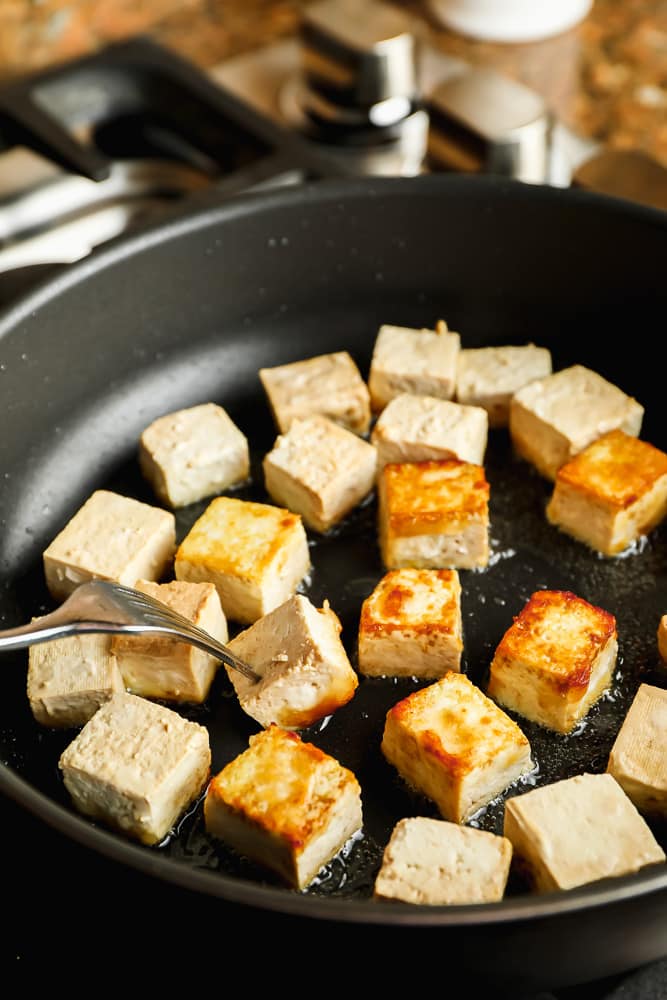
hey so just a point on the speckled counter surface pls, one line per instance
(606, 78)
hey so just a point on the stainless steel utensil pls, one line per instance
(102, 606)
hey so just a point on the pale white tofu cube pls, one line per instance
(418, 361)
(285, 804)
(434, 862)
(137, 766)
(555, 417)
(423, 428)
(330, 384)
(157, 666)
(69, 678)
(489, 376)
(255, 554)
(453, 744)
(304, 670)
(555, 660)
(576, 831)
(111, 537)
(192, 454)
(319, 470)
(411, 625)
(433, 515)
(638, 758)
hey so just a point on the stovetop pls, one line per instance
(110, 143)
(92, 149)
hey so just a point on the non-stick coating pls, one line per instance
(187, 313)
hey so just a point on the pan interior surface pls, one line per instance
(188, 313)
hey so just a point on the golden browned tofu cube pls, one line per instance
(423, 428)
(661, 638)
(137, 766)
(555, 417)
(555, 660)
(455, 746)
(304, 670)
(411, 625)
(157, 666)
(638, 758)
(69, 678)
(284, 804)
(192, 454)
(255, 554)
(489, 376)
(576, 831)
(330, 384)
(111, 537)
(611, 493)
(434, 862)
(433, 515)
(319, 470)
(418, 361)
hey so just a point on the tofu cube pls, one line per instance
(69, 678)
(435, 862)
(555, 660)
(305, 673)
(638, 758)
(255, 554)
(192, 454)
(286, 805)
(426, 429)
(319, 470)
(433, 515)
(452, 744)
(555, 417)
(157, 666)
(111, 537)
(611, 493)
(330, 384)
(418, 361)
(489, 376)
(411, 625)
(576, 831)
(661, 638)
(137, 766)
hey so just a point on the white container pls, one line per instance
(509, 20)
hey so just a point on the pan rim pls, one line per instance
(208, 214)
(210, 210)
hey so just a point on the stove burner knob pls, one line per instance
(483, 121)
(358, 68)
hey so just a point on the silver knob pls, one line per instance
(483, 121)
(359, 62)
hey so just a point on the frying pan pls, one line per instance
(188, 311)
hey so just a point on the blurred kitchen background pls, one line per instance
(606, 78)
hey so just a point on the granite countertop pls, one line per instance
(606, 78)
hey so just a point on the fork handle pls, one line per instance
(49, 627)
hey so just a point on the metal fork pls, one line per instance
(102, 606)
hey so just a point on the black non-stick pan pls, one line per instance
(188, 312)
